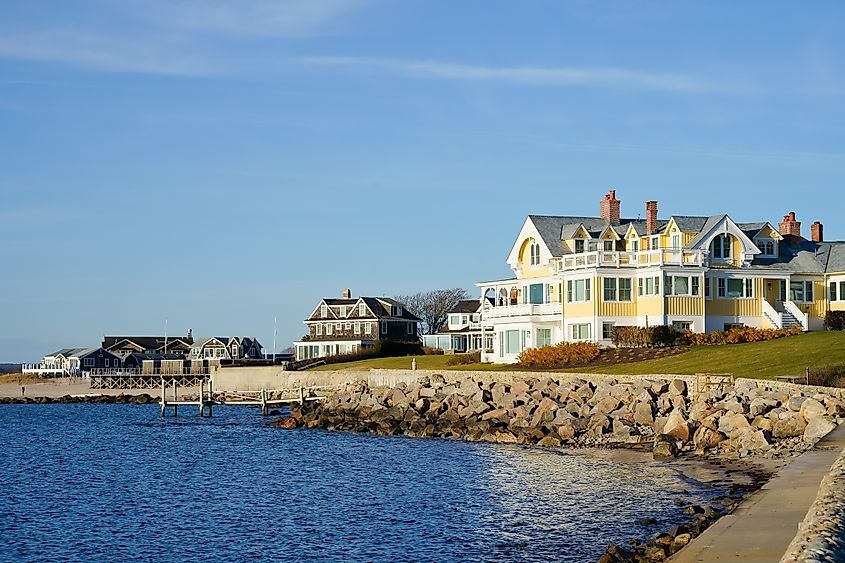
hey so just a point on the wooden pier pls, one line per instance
(206, 401)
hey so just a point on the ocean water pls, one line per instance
(118, 483)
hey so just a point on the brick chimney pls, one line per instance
(651, 217)
(609, 208)
(790, 226)
(817, 230)
(347, 294)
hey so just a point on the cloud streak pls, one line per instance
(606, 77)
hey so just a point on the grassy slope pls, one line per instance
(787, 356)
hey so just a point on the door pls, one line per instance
(773, 291)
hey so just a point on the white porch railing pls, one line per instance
(616, 259)
(774, 317)
(523, 310)
(48, 369)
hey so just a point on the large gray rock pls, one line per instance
(677, 426)
(706, 438)
(643, 414)
(788, 425)
(811, 409)
(606, 406)
(730, 423)
(760, 406)
(818, 428)
(753, 441)
(678, 387)
(794, 403)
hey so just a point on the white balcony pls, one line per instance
(615, 259)
(523, 310)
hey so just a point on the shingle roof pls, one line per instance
(554, 229)
(466, 306)
(690, 223)
(145, 342)
(711, 222)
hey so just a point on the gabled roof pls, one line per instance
(689, 223)
(145, 342)
(555, 229)
(378, 306)
(66, 352)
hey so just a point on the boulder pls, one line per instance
(753, 441)
(644, 414)
(676, 425)
(706, 438)
(762, 423)
(549, 442)
(729, 423)
(606, 406)
(794, 403)
(519, 387)
(678, 387)
(818, 428)
(811, 409)
(665, 446)
(566, 432)
(789, 424)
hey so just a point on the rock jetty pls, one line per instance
(750, 418)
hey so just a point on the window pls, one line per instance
(580, 331)
(535, 293)
(607, 331)
(578, 291)
(624, 289)
(655, 243)
(547, 297)
(721, 247)
(832, 296)
(676, 241)
(683, 285)
(88, 362)
(319, 329)
(766, 246)
(801, 291)
(592, 245)
(411, 328)
(509, 342)
(343, 310)
(544, 337)
(635, 246)
(396, 311)
(681, 326)
(362, 310)
(729, 326)
(384, 327)
(535, 254)
(454, 319)
(106, 362)
(782, 290)
(608, 245)
(368, 328)
(610, 289)
(648, 286)
(465, 320)
(329, 328)
(324, 311)
(735, 288)
(348, 326)
(842, 291)
(358, 327)
(579, 246)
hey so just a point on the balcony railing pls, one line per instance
(523, 310)
(616, 259)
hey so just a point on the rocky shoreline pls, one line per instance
(141, 399)
(751, 420)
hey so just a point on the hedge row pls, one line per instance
(835, 320)
(380, 349)
(643, 337)
(737, 335)
(559, 355)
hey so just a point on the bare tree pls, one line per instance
(432, 307)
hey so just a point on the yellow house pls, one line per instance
(575, 278)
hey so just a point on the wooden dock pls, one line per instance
(206, 401)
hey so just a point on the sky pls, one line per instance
(213, 165)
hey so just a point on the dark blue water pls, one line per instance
(118, 483)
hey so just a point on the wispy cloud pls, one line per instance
(536, 75)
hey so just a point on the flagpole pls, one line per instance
(274, 339)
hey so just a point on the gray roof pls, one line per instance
(555, 229)
(711, 222)
(690, 223)
(836, 256)
(466, 306)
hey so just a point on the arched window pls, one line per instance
(535, 254)
(720, 248)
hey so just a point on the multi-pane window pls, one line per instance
(649, 286)
(411, 328)
(681, 326)
(580, 331)
(535, 253)
(683, 285)
(721, 247)
(454, 319)
(362, 310)
(607, 331)
(608, 245)
(766, 246)
(509, 342)
(368, 328)
(707, 287)
(676, 241)
(329, 328)
(324, 311)
(578, 291)
(801, 291)
(735, 288)
(384, 327)
(617, 289)
(535, 293)
(544, 337)
(635, 246)
(579, 246)
(319, 329)
(655, 243)
(357, 327)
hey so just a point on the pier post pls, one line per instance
(264, 411)
(301, 396)
(202, 398)
(163, 399)
(175, 398)
(210, 396)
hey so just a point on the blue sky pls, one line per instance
(216, 163)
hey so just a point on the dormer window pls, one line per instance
(579, 246)
(535, 254)
(343, 310)
(676, 241)
(324, 311)
(766, 246)
(397, 311)
(362, 310)
(608, 245)
(720, 248)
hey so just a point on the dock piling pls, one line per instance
(163, 398)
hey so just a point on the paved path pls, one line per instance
(762, 527)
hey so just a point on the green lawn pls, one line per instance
(787, 356)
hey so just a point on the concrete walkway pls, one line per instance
(763, 526)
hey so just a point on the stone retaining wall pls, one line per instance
(821, 535)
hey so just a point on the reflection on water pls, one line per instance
(109, 482)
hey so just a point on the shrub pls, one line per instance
(559, 355)
(641, 337)
(828, 376)
(380, 349)
(738, 335)
(464, 359)
(428, 351)
(835, 320)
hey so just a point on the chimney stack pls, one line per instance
(347, 294)
(650, 217)
(789, 226)
(817, 230)
(609, 208)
